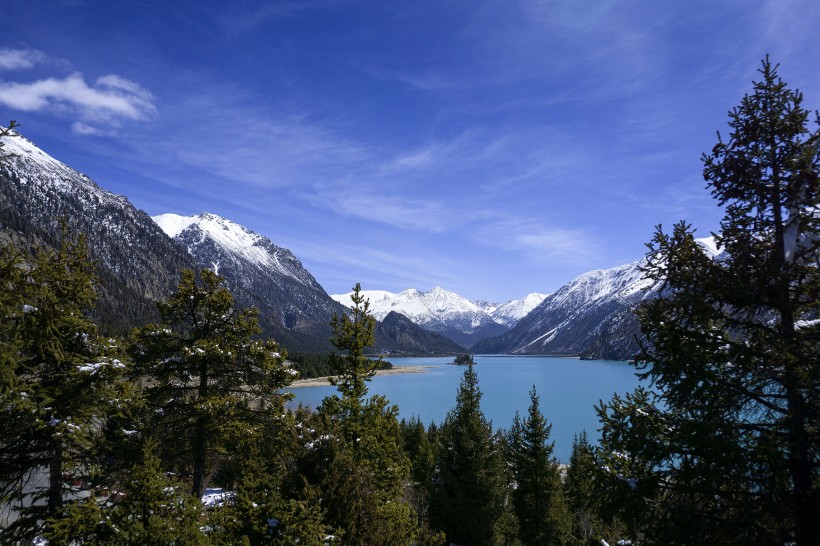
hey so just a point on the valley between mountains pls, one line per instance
(139, 260)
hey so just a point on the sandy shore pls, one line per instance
(323, 381)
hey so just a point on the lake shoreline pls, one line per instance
(325, 381)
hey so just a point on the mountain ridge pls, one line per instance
(137, 264)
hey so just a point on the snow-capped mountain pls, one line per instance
(592, 311)
(137, 263)
(591, 316)
(293, 308)
(437, 310)
(508, 314)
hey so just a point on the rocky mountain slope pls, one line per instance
(136, 262)
(397, 334)
(293, 308)
(592, 315)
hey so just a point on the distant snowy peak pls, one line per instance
(435, 305)
(709, 246)
(440, 305)
(234, 239)
(511, 312)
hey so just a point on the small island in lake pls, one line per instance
(463, 359)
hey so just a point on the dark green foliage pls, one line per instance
(462, 359)
(585, 489)
(472, 483)
(207, 383)
(56, 379)
(311, 365)
(538, 496)
(725, 445)
(146, 508)
(364, 484)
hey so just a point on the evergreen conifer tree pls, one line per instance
(587, 489)
(471, 492)
(147, 507)
(728, 435)
(538, 496)
(208, 382)
(365, 482)
(56, 380)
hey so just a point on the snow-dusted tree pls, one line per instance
(56, 380)
(208, 382)
(149, 507)
(726, 439)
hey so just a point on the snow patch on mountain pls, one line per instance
(511, 312)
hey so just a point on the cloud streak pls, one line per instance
(20, 59)
(541, 243)
(108, 101)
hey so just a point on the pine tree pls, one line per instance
(365, 482)
(352, 334)
(538, 497)
(208, 383)
(728, 433)
(56, 380)
(471, 493)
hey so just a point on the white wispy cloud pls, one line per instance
(540, 242)
(107, 102)
(19, 59)
(397, 211)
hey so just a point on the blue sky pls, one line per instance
(492, 147)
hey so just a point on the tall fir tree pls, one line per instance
(56, 380)
(208, 382)
(471, 492)
(366, 481)
(728, 433)
(538, 496)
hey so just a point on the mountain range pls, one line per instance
(139, 260)
(447, 313)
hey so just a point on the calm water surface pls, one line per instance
(568, 389)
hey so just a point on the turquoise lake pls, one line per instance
(568, 389)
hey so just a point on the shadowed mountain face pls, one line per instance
(398, 334)
(137, 263)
